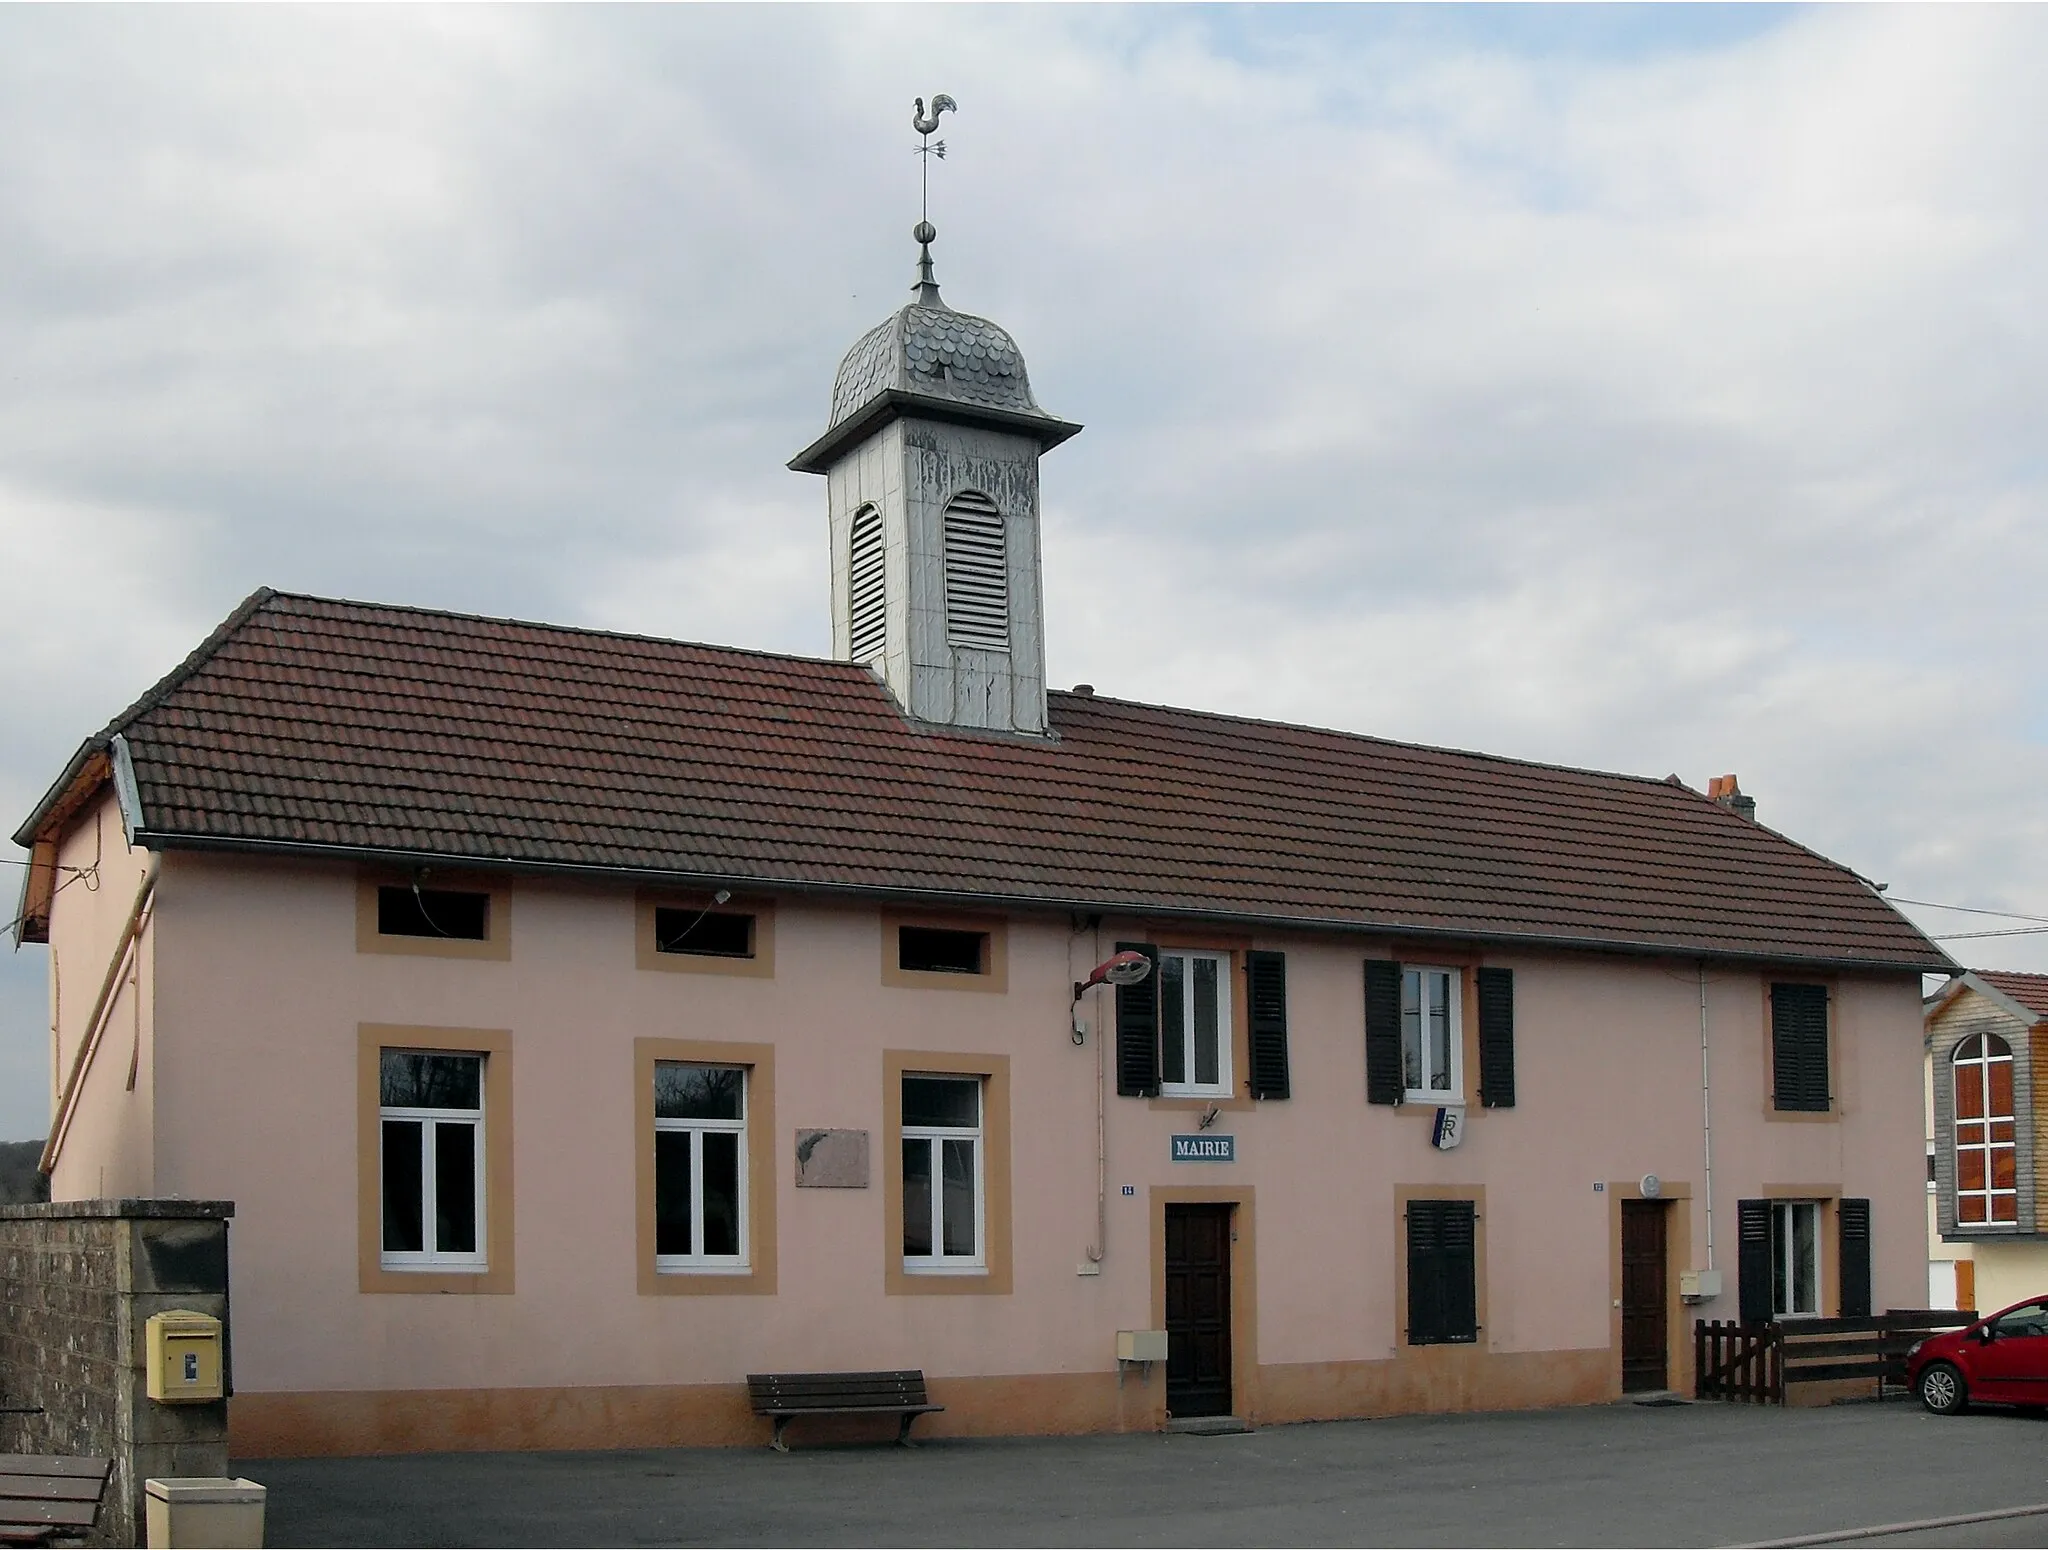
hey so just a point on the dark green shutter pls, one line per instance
(1137, 1029)
(1443, 1287)
(1425, 1273)
(1855, 1245)
(1799, 1048)
(1461, 1280)
(1382, 1031)
(1753, 1259)
(1266, 993)
(1497, 1038)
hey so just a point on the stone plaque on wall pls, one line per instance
(831, 1159)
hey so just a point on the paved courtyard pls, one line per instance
(1609, 1475)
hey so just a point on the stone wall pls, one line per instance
(78, 1280)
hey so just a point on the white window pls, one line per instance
(1432, 1036)
(1987, 1153)
(431, 1155)
(943, 1230)
(1795, 1258)
(700, 1167)
(1194, 1025)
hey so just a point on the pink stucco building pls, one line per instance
(580, 1022)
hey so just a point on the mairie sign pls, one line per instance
(1205, 1148)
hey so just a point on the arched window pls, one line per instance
(867, 592)
(1987, 1184)
(977, 575)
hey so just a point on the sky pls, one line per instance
(1648, 389)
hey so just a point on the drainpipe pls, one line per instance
(1101, 1245)
(1101, 1163)
(1707, 1115)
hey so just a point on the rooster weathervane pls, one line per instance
(925, 125)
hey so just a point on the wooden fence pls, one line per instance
(1759, 1362)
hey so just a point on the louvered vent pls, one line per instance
(977, 575)
(866, 573)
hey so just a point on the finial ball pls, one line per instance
(924, 231)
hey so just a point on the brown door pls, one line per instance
(1198, 1310)
(1645, 1353)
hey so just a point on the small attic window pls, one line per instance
(977, 575)
(867, 589)
(930, 950)
(705, 933)
(452, 914)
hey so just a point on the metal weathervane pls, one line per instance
(926, 125)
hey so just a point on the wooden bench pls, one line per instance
(42, 1499)
(783, 1396)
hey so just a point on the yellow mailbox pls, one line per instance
(184, 1357)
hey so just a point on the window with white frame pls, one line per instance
(1432, 1039)
(943, 1229)
(1795, 1258)
(1987, 1154)
(431, 1159)
(1194, 1024)
(700, 1167)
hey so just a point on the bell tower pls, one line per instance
(931, 475)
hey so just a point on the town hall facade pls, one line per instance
(580, 1022)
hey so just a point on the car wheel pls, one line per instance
(1942, 1389)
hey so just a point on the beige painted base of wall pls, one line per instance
(1438, 1380)
(2009, 1272)
(346, 1422)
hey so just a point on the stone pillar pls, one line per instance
(79, 1280)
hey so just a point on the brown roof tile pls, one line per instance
(309, 722)
(2029, 990)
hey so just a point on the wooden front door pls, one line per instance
(1198, 1310)
(1645, 1351)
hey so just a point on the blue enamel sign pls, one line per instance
(1205, 1148)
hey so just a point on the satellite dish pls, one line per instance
(1651, 1186)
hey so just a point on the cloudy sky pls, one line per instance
(1656, 390)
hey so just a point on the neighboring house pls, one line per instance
(1987, 1046)
(580, 1021)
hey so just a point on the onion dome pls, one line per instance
(934, 363)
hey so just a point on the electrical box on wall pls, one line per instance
(1141, 1345)
(184, 1357)
(1698, 1285)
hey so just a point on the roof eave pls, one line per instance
(896, 403)
(1970, 979)
(1331, 925)
(88, 773)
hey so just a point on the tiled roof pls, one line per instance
(938, 353)
(306, 722)
(2029, 990)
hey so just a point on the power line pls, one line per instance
(1969, 909)
(76, 874)
(1965, 936)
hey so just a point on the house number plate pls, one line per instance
(1205, 1148)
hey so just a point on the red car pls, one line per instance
(2001, 1360)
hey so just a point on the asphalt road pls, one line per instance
(1607, 1475)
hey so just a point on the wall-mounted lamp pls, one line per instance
(1126, 968)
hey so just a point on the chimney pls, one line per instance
(1723, 789)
